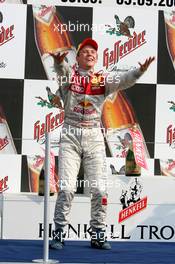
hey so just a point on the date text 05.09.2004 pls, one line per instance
(159, 3)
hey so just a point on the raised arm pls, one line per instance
(118, 81)
(64, 72)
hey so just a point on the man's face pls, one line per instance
(87, 57)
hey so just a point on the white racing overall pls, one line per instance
(83, 100)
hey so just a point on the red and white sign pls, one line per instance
(6, 34)
(165, 122)
(122, 51)
(39, 116)
(132, 210)
(10, 176)
(4, 184)
(138, 147)
(52, 172)
(12, 41)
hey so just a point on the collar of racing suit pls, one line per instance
(84, 72)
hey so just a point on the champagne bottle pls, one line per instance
(41, 184)
(131, 167)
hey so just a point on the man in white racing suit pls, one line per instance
(82, 138)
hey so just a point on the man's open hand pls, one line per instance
(145, 65)
(58, 58)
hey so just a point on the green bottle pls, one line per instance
(41, 184)
(131, 167)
